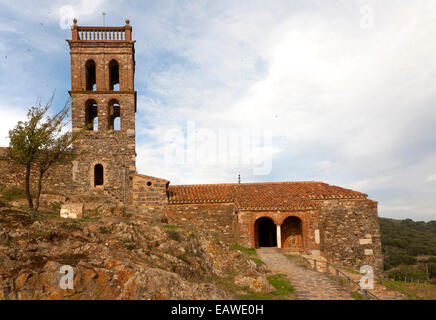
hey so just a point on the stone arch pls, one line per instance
(114, 75)
(91, 115)
(91, 75)
(292, 233)
(114, 114)
(265, 232)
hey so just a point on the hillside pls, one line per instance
(409, 248)
(128, 255)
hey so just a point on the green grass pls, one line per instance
(254, 296)
(281, 283)
(244, 249)
(171, 227)
(351, 270)
(356, 295)
(341, 281)
(174, 235)
(87, 219)
(401, 287)
(257, 261)
(283, 289)
(47, 234)
(13, 193)
(293, 257)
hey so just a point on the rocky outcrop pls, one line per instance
(120, 257)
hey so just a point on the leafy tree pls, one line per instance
(57, 149)
(41, 142)
(402, 240)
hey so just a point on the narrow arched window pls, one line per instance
(91, 115)
(91, 77)
(114, 76)
(114, 115)
(98, 175)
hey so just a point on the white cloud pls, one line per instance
(346, 106)
(431, 177)
(355, 95)
(9, 116)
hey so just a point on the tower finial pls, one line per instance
(239, 178)
(75, 21)
(127, 22)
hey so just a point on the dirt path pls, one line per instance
(308, 284)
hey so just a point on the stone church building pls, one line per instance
(340, 224)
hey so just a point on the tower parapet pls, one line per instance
(102, 33)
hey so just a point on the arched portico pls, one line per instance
(292, 233)
(265, 233)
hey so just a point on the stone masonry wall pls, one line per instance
(215, 218)
(350, 233)
(149, 192)
(57, 179)
(57, 183)
(114, 149)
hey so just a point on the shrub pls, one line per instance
(407, 272)
(397, 259)
(104, 230)
(174, 235)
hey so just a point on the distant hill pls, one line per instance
(404, 241)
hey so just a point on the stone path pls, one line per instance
(308, 284)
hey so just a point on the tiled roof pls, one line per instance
(201, 193)
(262, 196)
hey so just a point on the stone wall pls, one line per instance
(113, 149)
(350, 233)
(57, 184)
(345, 232)
(215, 218)
(57, 179)
(102, 53)
(149, 192)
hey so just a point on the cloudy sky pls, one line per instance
(338, 91)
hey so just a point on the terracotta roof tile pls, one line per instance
(205, 193)
(262, 196)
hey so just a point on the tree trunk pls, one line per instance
(29, 197)
(38, 193)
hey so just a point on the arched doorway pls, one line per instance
(292, 233)
(98, 175)
(265, 233)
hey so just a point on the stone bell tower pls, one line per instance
(103, 101)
